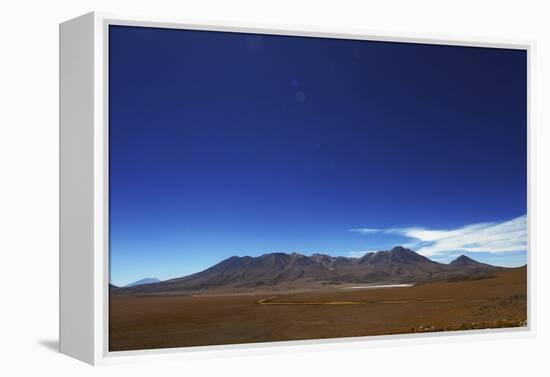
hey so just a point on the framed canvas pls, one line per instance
(251, 188)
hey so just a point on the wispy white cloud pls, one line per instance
(491, 237)
(366, 230)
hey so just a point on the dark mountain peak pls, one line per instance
(400, 249)
(297, 255)
(396, 255)
(373, 257)
(318, 257)
(275, 260)
(403, 251)
(464, 260)
(464, 263)
(365, 255)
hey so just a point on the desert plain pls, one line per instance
(163, 320)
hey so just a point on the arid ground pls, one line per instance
(146, 321)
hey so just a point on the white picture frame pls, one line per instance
(84, 292)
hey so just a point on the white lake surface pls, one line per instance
(379, 286)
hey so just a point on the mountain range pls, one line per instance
(282, 271)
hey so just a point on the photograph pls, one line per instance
(266, 188)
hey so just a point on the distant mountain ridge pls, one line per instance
(142, 282)
(297, 271)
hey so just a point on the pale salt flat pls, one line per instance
(379, 286)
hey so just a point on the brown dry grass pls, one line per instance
(160, 321)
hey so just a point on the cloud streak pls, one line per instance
(366, 230)
(491, 237)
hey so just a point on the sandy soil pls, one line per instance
(160, 321)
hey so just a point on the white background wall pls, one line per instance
(29, 188)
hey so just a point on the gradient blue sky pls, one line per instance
(228, 144)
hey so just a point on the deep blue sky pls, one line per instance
(235, 144)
